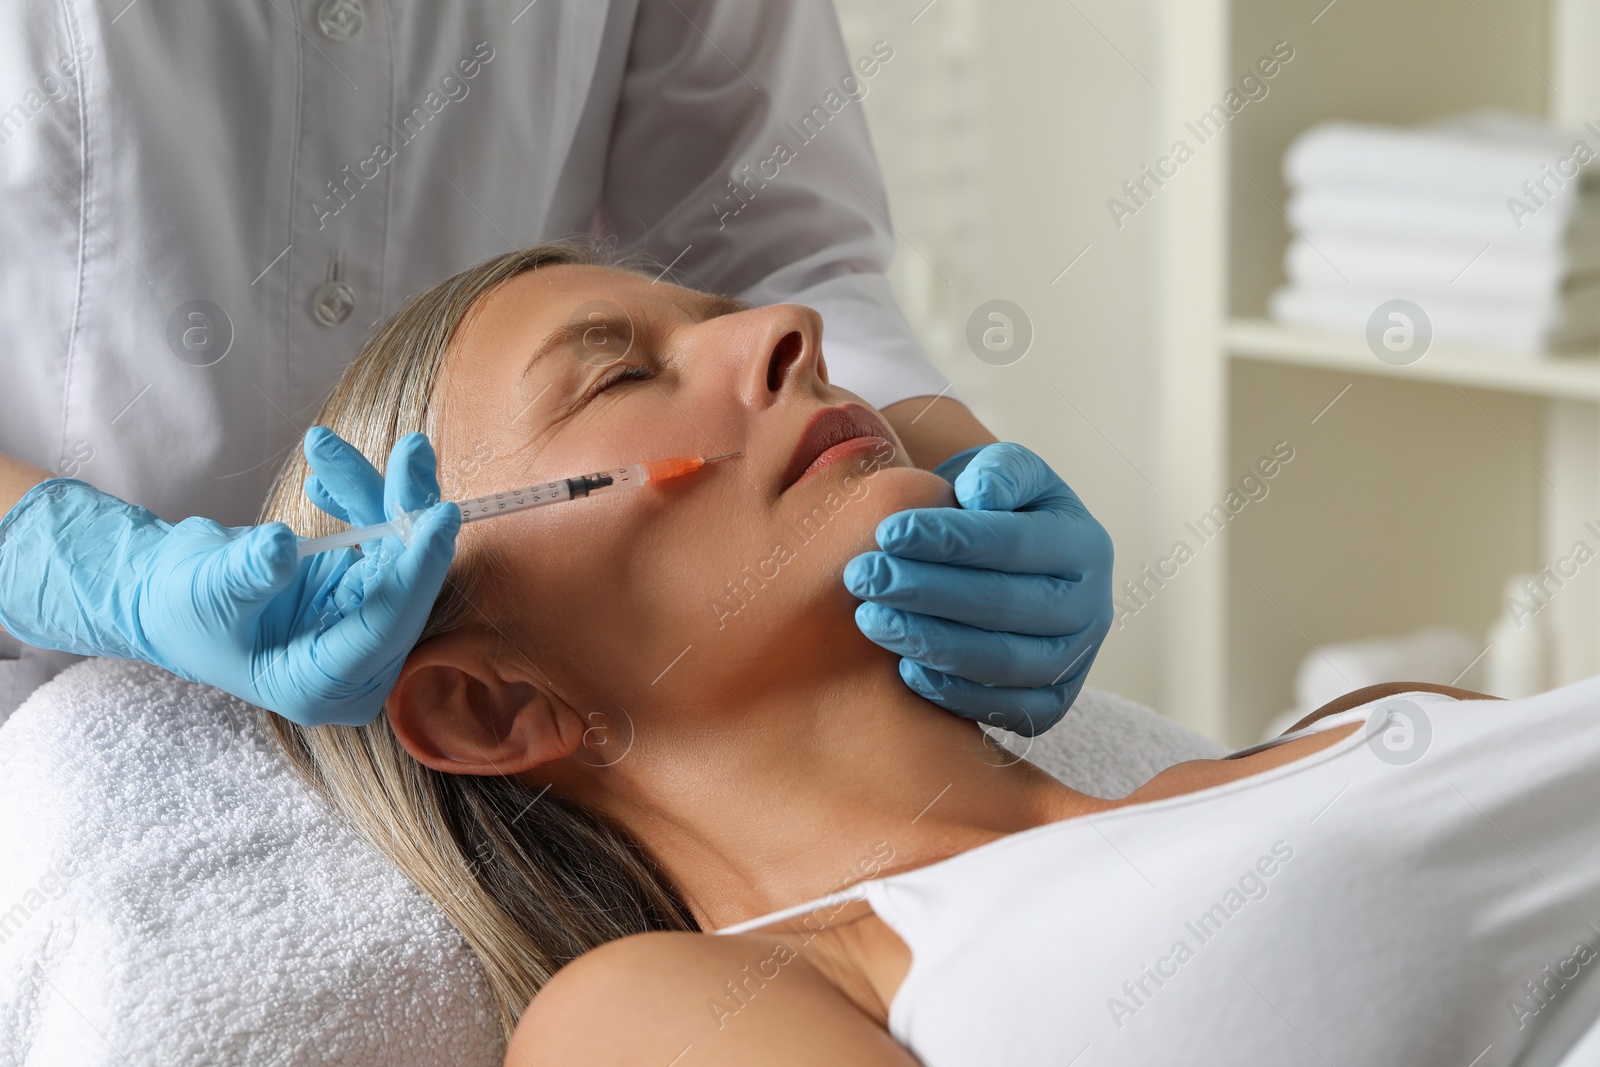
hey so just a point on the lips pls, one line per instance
(828, 428)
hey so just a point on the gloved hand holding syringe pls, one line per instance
(629, 476)
(320, 637)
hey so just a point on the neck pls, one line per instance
(771, 799)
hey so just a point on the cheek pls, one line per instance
(608, 591)
(572, 575)
(787, 565)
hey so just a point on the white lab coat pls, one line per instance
(181, 179)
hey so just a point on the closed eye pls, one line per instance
(628, 372)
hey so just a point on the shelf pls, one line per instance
(1566, 377)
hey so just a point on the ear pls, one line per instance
(463, 706)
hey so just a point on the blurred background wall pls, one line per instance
(1005, 128)
(1002, 127)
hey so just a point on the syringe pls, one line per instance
(632, 476)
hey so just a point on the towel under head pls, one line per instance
(172, 894)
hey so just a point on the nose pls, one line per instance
(784, 353)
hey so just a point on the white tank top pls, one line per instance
(1424, 891)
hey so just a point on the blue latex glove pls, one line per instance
(346, 485)
(317, 640)
(999, 606)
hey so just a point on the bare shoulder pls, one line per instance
(1367, 694)
(695, 999)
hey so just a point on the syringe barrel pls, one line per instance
(533, 496)
(632, 476)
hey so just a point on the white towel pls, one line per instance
(1424, 213)
(1424, 218)
(1520, 332)
(1497, 274)
(1487, 154)
(173, 895)
(1108, 746)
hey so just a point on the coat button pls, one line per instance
(332, 303)
(340, 20)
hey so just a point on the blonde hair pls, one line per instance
(530, 886)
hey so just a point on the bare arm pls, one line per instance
(645, 1001)
(16, 478)
(934, 429)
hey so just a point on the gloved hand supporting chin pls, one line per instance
(999, 606)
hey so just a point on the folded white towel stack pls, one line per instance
(1490, 223)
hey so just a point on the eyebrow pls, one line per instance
(706, 306)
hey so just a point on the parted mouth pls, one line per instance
(828, 429)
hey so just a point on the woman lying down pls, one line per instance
(696, 819)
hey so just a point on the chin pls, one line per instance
(912, 487)
(795, 592)
(841, 514)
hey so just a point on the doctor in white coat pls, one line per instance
(208, 206)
